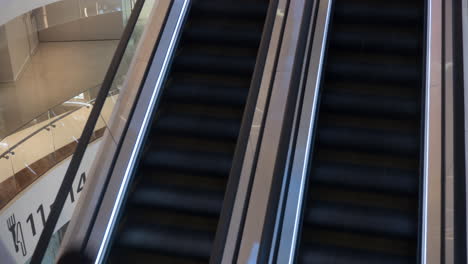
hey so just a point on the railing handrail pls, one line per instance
(81, 147)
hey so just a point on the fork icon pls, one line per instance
(17, 233)
(11, 222)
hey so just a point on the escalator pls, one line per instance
(175, 199)
(363, 199)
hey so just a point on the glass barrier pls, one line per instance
(46, 141)
(34, 160)
(35, 157)
(55, 62)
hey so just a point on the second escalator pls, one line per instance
(174, 204)
(363, 200)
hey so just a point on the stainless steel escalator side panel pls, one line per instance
(302, 149)
(136, 103)
(464, 25)
(251, 234)
(431, 229)
(448, 139)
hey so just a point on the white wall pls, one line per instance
(18, 39)
(18, 44)
(31, 28)
(36, 200)
(5, 64)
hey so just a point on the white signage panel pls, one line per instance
(22, 221)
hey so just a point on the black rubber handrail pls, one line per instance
(88, 131)
(459, 169)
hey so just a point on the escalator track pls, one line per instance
(362, 203)
(172, 210)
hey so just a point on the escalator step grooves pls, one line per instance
(175, 201)
(358, 210)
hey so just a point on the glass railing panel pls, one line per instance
(101, 126)
(8, 187)
(6, 166)
(34, 150)
(109, 105)
(33, 147)
(33, 164)
(68, 129)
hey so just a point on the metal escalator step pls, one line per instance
(335, 255)
(391, 69)
(216, 8)
(371, 105)
(164, 240)
(368, 220)
(199, 162)
(199, 126)
(376, 38)
(370, 140)
(125, 255)
(208, 93)
(224, 32)
(195, 62)
(380, 179)
(170, 198)
(381, 12)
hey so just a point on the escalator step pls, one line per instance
(208, 94)
(199, 126)
(195, 62)
(372, 12)
(366, 178)
(216, 8)
(384, 106)
(186, 243)
(368, 140)
(357, 38)
(370, 68)
(361, 219)
(334, 255)
(219, 32)
(170, 198)
(208, 163)
(127, 255)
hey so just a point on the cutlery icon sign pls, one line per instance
(17, 234)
